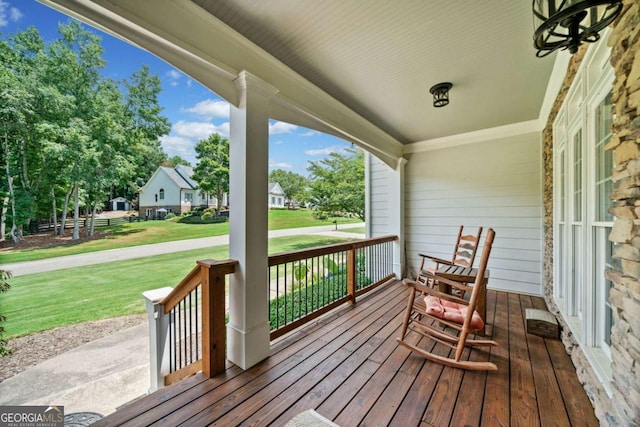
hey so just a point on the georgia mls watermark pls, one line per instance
(31, 416)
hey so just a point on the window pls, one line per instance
(582, 221)
(162, 194)
(577, 270)
(603, 218)
(188, 197)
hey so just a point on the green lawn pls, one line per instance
(43, 301)
(148, 232)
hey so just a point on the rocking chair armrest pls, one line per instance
(417, 285)
(434, 292)
(436, 259)
(458, 285)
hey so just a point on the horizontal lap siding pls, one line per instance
(490, 184)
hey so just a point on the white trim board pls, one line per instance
(476, 136)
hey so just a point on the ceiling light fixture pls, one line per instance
(561, 24)
(440, 94)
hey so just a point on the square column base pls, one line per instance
(248, 348)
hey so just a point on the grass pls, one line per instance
(149, 232)
(38, 302)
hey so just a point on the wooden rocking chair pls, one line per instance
(464, 254)
(428, 308)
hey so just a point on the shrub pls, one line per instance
(212, 211)
(201, 220)
(206, 216)
(320, 215)
(170, 215)
(305, 299)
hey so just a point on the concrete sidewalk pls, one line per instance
(97, 377)
(122, 254)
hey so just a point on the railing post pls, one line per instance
(351, 275)
(158, 337)
(212, 278)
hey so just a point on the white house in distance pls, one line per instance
(276, 195)
(172, 190)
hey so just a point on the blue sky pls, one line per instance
(194, 111)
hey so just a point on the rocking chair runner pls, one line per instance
(427, 308)
(464, 253)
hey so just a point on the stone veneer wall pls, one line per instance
(625, 141)
(623, 409)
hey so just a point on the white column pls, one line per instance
(248, 328)
(396, 216)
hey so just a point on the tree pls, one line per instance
(212, 170)
(16, 111)
(337, 184)
(174, 161)
(293, 184)
(70, 137)
(144, 125)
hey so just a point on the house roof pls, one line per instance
(181, 177)
(274, 188)
(358, 69)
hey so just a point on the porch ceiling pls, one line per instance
(359, 69)
(380, 58)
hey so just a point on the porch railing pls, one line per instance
(308, 283)
(187, 324)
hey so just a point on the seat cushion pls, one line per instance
(452, 311)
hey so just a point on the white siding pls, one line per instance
(380, 185)
(490, 184)
(160, 181)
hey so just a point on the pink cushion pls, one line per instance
(452, 312)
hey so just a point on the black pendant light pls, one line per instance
(566, 24)
(440, 94)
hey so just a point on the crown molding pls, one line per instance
(476, 136)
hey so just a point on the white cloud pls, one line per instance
(324, 151)
(8, 14)
(210, 108)
(279, 142)
(310, 133)
(15, 14)
(174, 74)
(281, 127)
(178, 146)
(173, 77)
(280, 165)
(199, 130)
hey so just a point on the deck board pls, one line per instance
(348, 367)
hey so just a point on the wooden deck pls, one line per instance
(349, 367)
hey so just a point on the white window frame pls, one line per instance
(581, 301)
